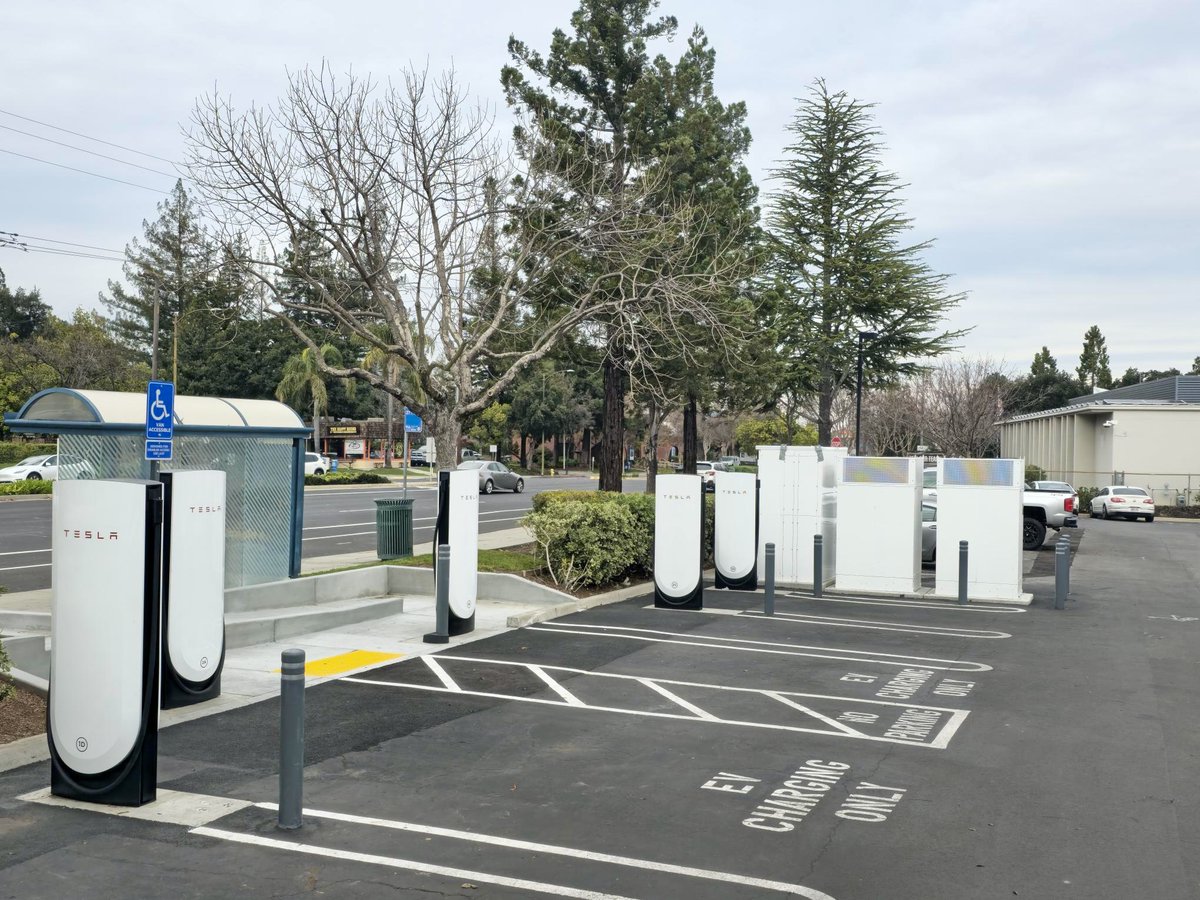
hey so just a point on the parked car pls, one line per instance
(47, 468)
(928, 532)
(316, 464)
(417, 457)
(493, 475)
(468, 453)
(1118, 501)
(731, 462)
(1041, 509)
(708, 473)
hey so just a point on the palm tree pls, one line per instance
(303, 381)
(389, 365)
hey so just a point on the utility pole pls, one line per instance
(862, 336)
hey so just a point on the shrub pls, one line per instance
(588, 543)
(1034, 473)
(347, 477)
(14, 451)
(20, 488)
(6, 687)
(1085, 499)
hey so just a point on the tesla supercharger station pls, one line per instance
(458, 526)
(879, 524)
(980, 501)
(678, 541)
(193, 647)
(104, 650)
(735, 530)
(798, 491)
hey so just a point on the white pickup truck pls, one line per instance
(1042, 509)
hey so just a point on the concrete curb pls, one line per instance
(578, 604)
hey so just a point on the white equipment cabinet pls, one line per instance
(879, 525)
(798, 499)
(678, 541)
(979, 501)
(735, 530)
(193, 587)
(104, 650)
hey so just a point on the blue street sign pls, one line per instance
(160, 411)
(158, 450)
(413, 423)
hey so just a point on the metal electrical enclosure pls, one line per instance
(193, 586)
(104, 650)
(735, 530)
(678, 541)
(458, 526)
(879, 524)
(980, 501)
(798, 491)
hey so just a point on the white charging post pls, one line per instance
(735, 530)
(678, 541)
(458, 526)
(104, 651)
(879, 524)
(980, 502)
(798, 491)
(193, 586)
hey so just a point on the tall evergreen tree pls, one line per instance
(1043, 363)
(166, 272)
(839, 262)
(1093, 367)
(22, 313)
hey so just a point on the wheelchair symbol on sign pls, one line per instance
(158, 409)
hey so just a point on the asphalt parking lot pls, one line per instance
(848, 748)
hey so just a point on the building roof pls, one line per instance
(1099, 407)
(58, 410)
(1184, 388)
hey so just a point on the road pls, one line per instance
(336, 521)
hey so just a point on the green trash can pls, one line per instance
(393, 528)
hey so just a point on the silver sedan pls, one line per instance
(495, 475)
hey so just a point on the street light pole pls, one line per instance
(862, 336)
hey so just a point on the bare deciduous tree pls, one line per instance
(405, 190)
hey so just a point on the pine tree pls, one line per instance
(1093, 367)
(839, 264)
(170, 264)
(1043, 363)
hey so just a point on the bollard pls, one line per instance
(1065, 540)
(818, 561)
(291, 739)
(441, 631)
(769, 587)
(962, 571)
(1062, 562)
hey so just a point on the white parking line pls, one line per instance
(16, 568)
(749, 646)
(913, 604)
(23, 552)
(870, 624)
(557, 850)
(412, 865)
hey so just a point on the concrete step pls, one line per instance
(260, 626)
(29, 653)
(19, 620)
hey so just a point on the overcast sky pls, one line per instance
(1049, 148)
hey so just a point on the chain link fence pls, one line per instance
(1167, 488)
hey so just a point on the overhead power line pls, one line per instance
(84, 172)
(92, 152)
(86, 137)
(55, 252)
(30, 237)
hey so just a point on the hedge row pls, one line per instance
(20, 488)
(593, 538)
(13, 451)
(347, 477)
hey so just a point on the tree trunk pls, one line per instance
(825, 413)
(652, 468)
(446, 430)
(689, 436)
(612, 443)
(387, 444)
(316, 428)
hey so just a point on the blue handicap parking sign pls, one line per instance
(412, 422)
(160, 411)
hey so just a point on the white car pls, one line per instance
(47, 468)
(315, 464)
(1118, 501)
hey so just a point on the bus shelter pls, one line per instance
(259, 444)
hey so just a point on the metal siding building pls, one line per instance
(1145, 434)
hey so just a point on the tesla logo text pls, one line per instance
(85, 535)
(677, 497)
(206, 509)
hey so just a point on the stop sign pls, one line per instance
(836, 442)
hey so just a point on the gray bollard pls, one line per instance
(769, 585)
(291, 739)
(1065, 540)
(962, 572)
(441, 631)
(818, 562)
(1062, 566)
